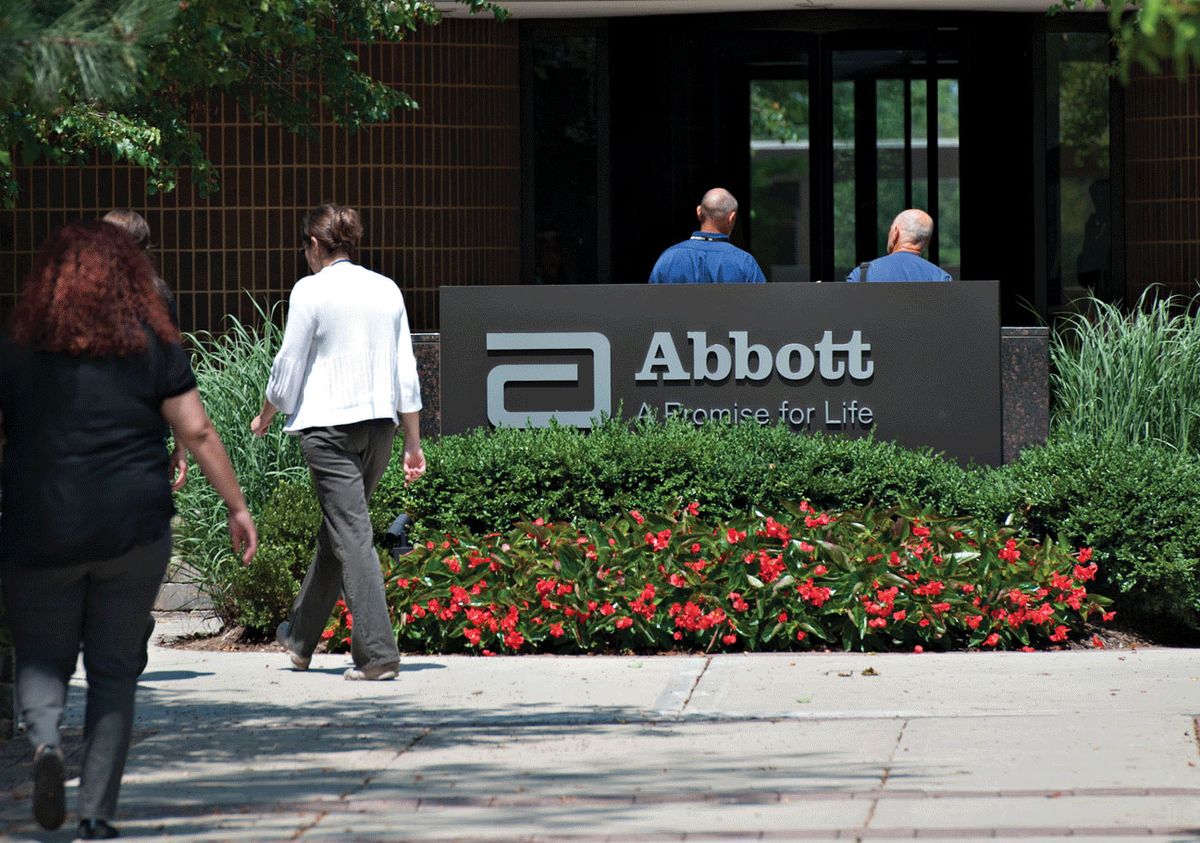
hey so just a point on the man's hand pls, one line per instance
(179, 468)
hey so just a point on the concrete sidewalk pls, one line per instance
(1095, 745)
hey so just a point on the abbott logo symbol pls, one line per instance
(508, 373)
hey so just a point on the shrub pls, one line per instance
(261, 593)
(867, 579)
(231, 373)
(484, 480)
(1138, 506)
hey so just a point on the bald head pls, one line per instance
(717, 211)
(911, 231)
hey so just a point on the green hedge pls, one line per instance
(484, 480)
(1137, 506)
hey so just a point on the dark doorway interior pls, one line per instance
(824, 125)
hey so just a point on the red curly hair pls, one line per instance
(91, 293)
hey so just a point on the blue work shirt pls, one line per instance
(706, 258)
(901, 266)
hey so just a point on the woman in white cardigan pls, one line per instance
(345, 376)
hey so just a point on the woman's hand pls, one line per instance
(414, 461)
(262, 422)
(243, 534)
(179, 468)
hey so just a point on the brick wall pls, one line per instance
(438, 188)
(1162, 183)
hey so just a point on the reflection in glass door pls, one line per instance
(780, 178)
(883, 134)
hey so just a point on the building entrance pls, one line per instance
(834, 155)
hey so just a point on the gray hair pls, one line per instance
(915, 226)
(718, 204)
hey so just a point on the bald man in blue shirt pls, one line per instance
(908, 237)
(707, 257)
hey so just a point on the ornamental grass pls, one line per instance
(801, 579)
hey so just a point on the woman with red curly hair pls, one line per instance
(91, 372)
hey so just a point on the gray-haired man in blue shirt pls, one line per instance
(707, 257)
(908, 237)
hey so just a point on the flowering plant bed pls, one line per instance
(869, 579)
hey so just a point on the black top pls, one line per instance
(85, 472)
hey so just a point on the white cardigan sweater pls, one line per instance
(347, 351)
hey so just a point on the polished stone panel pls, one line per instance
(1024, 388)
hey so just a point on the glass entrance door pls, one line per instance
(895, 137)
(781, 178)
(835, 156)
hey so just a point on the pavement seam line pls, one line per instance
(696, 684)
(366, 782)
(1196, 732)
(887, 772)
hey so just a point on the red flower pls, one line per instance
(782, 618)
(327, 634)
(556, 630)
(941, 608)
(899, 616)
(677, 580)
(1108, 616)
(918, 649)
(1084, 574)
(693, 508)
(695, 548)
(538, 522)
(734, 536)
(1097, 643)
(472, 634)
(636, 516)
(1009, 552)
(454, 565)
(819, 569)
(624, 623)
(659, 542)
(814, 594)
(930, 589)
(607, 609)
(801, 635)
(992, 640)
(877, 623)
(1085, 555)
(514, 639)
(729, 639)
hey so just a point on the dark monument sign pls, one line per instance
(915, 363)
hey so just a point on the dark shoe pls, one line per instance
(282, 632)
(96, 830)
(49, 791)
(379, 673)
